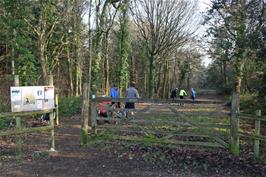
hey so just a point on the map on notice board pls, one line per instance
(32, 98)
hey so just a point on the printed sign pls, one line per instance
(48, 93)
(16, 94)
(39, 93)
(32, 98)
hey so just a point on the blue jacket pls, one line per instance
(193, 93)
(114, 93)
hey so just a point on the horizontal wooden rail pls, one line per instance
(252, 117)
(179, 129)
(252, 136)
(21, 114)
(147, 140)
(25, 130)
(155, 132)
(165, 122)
(146, 100)
(212, 114)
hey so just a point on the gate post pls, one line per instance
(18, 126)
(57, 110)
(257, 132)
(93, 116)
(234, 121)
(51, 115)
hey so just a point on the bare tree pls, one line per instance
(163, 26)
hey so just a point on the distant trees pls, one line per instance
(237, 29)
(89, 44)
(123, 44)
(163, 27)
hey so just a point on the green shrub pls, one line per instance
(70, 105)
(5, 123)
(249, 103)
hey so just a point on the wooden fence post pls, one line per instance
(234, 121)
(93, 116)
(18, 127)
(257, 132)
(51, 115)
(57, 110)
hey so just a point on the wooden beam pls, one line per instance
(57, 110)
(93, 116)
(147, 140)
(193, 123)
(252, 136)
(252, 117)
(164, 122)
(234, 121)
(25, 131)
(51, 115)
(18, 127)
(144, 100)
(257, 133)
(155, 132)
(22, 114)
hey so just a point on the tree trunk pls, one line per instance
(225, 74)
(78, 46)
(86, 88)
(70, 72)
(165, 79)
(145, 82)
(124, 48)
(159, 88)
(100, 19)
(106, 64)
(188, 81)
(151, 75)
(43, 61)
(168, 88)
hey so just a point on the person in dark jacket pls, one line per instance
(174, 93)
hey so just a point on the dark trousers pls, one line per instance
(117, 104)
(130, 106)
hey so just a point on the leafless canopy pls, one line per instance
(164, 24)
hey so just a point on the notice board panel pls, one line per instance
(32, 98)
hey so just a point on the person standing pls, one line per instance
(193, 94)
(174, 93)
(182, 94)
(114, 93)
(131, 92)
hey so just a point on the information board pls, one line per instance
(32, 98)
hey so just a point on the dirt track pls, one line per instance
(73, 160)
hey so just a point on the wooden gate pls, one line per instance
(164, 122)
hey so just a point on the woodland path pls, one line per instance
(73, 160)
